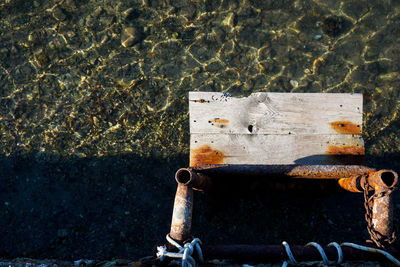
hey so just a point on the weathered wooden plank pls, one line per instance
(275, 149)
(276, 113)
(275, 128)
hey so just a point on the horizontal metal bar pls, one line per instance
(294, 171)
(200, 177)
(193, 179)
(381, 180)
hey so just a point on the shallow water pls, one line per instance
(94, 110)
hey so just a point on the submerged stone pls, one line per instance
(59, 14)
(130, 36)
(229, 20)
(335, 25)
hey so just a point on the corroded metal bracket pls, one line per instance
(353, 178)
(379, 207)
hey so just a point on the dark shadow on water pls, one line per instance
(242, 210)
(384, 161)
(98, 208)
(120, 207)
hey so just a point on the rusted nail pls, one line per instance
(182, 214)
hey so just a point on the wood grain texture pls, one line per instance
(275, 113)
(274, 149)
(275, 128)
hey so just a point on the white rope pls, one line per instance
(339, 251)
(197, 243)
(292, 260)
(320, 250)
(173, 242)
(185, 252)
(374, 250)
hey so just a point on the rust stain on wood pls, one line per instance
(345, 150)
(220, 123)
(206, 155)
(200, 101)
(346, 127)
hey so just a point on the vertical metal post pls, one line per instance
(383, 182)
(182, 214)
(382, 215)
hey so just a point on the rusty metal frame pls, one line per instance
(353, 178)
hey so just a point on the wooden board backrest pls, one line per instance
(275, 128)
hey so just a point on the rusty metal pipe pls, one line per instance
(383, 183)
(383, 180)
(182, 214)
(382, 216)
(188, 177)
(293, 171)
(353, 184)
(350, 176)
(200, 177)
(378, 180)
(271, 253)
